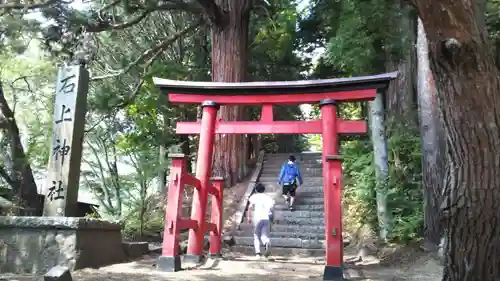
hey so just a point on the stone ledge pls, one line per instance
(135, 249)
(57, 223)
(30, 245)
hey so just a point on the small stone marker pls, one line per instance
(63, 171)
(58, 273)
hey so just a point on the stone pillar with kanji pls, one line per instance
(63, 171)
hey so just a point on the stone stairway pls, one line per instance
(302, 231)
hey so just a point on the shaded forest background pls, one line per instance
(394, 177)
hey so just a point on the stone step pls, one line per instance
(298, 156)
(298, 207)
(304, 191)
(288, 228)
(306, 187)
(303, 200)
(303, 207)
(284, 242)
(288, 242)
(300, 221)
(301, 195)
(307, 181)
(274, 179)
(303, 161)
(283, 252)
(272, 187)
(311, 172)
(300, 201)
(274, 234)
(286, 214)
(275, 167)
(278, 163)
(307, 160)
(297, 159)
(305, 176)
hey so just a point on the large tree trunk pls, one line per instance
(432, 143)
(468, 86)
(381, 164)
(229, 58)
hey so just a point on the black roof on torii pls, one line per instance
(379, 81)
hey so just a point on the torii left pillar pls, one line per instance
(203, 172)
(332, 175)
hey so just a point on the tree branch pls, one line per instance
(18, 6)
(213, 11)
(7, 113)
(144, 10)
(6, 177)
(178, 5)
(107, 26)
(151, 53)
(107, 6)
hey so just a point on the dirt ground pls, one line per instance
(232, 199)
(237, 267)
(399, 264)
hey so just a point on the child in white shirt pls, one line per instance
(260, 212)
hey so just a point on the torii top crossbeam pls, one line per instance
(283, 92)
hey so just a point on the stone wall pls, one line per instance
(36, 244)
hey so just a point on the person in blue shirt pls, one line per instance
(290, 180)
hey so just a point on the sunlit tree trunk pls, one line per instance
(468, 83)
(432, 143)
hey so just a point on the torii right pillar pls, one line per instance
(332, 175)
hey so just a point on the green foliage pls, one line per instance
(493, 19)
(404, 186)
(273, 57)
(367, 33)
(272, 53)
(153, 220)
(320, 23)
(359, 181)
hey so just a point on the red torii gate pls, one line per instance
(210, 95)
